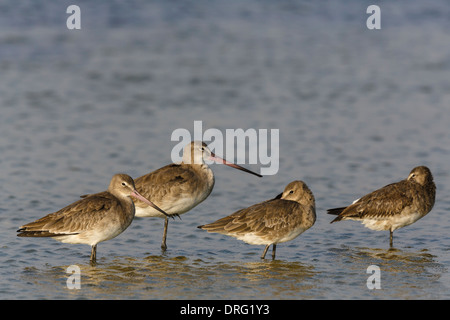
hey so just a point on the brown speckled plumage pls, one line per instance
(93, 219)
(178, 188)
(173, 181)
(395, 205)
(271, 222)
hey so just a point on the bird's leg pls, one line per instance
(265, 251)
(163, 243)
(274, 248)
(94, 254)
(391, 238)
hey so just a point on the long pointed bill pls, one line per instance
(217, 159)
(136, 195)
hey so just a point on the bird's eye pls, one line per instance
(124, 184)
(291, 192)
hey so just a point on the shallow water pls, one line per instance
(356, 110)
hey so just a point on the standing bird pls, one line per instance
(273, 221)
(96, 218)
(177, 188)
(394, 206)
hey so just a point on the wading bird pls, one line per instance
(177, 188)
(271, 222)
(394, 206)
(96, 218)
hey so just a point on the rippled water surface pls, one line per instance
(356, 109)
